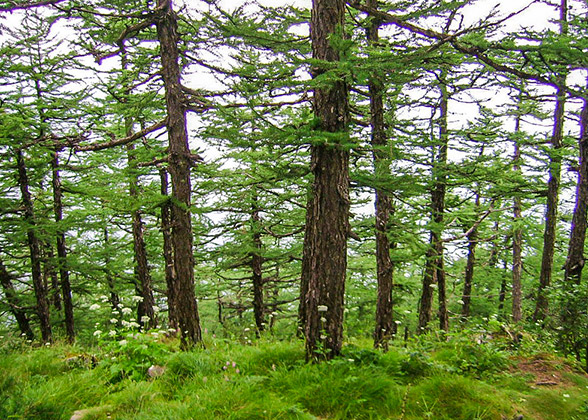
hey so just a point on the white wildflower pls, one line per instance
(145, 319)
(566, 395)
(323, 308)
(94, 307)
(113, 320)
(126, 311)
(112, 333)
(247, 329)
(323, 336)
(407, 311)
(97, 333)
(137, 298)
(123, 342)
(460, 302)
(323, 319)
(397, 322)
(433, 286)
(103, 298)
(156, 309)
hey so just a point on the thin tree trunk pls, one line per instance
(35, 252)
(114, 298)
(168, 252)
(434, 264)
(385, 327)
(469, 270)
(142, 275)
(549, 236)
(257, 267)
(14, 303)
(49, 272)
(517, 236)
(179, 169)
(62, 250)
(327, 219)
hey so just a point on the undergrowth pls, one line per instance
(454, 377)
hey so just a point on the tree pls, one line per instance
(327, 221)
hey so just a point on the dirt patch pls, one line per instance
(544, 370)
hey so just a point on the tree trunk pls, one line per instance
(50, 273)
(575, 259)
(517, 236)
(256, 268)
(469, 270)
(385, 327)
(35, 251)
(327, 219)
(179, 169)
(114, 298)
(434, 265)
(62, 251)
(549, 236)
(14, 303)
(574, 333)
(142, 275)
(168, 252)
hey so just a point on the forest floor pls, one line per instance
(427, 378)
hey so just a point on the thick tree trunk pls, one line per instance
(62, 251)
(179, 169)
(142, 275)
(549, 235)
(327, 220)
(257, 268)
(385, 327)
(168, 252)
(573, 333)
(434, 264)
(466, 297)
(35, 251)
(11, 297)
(575, 259)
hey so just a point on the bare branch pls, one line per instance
(122, 141)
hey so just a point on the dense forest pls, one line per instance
(346, 170)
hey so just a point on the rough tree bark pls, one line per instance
(324, 261)
(575, 259)
(35, 251)
(385, 327)
(142, 275)
(179, 169)
(549, 235)
(13, 302)
(66, 294)
(168, 252)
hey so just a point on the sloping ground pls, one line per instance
(270, 380)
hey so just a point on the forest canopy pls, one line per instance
(366, 168)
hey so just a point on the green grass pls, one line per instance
(452, 380)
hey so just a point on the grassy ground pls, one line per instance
(427, 379)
